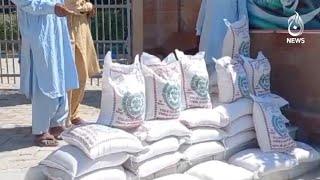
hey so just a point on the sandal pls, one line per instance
(78, 121)
(46, 140)
(56, 132)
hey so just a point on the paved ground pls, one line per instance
(17, 151)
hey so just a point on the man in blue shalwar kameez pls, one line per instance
(47, 65)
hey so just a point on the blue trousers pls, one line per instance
(46, 112)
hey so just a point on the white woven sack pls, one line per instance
(98, 140)
(305, 153)
(123, 94)
(114, 173)
(199, 117)
(232, 111)
(199, 135)
(155, 130)
(163, 87)
(237, 39)
(153, 165)
(263, 163)
(258, 71)
(218, 170)
(239, 139)
(195, 81)
(164, 172)
(198, 151)
(74, 163)
(178, 177)
(272, 133)
(244, 123)
(274, 98)
(232, 80)
(163, 146)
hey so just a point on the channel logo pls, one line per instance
(295, 29)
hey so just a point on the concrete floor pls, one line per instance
(18, 152)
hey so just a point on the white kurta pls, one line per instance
(210, 24)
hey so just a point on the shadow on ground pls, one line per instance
(12, 98)
(92, 98)
(21, 138)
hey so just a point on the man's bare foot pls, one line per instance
(46, 140)
(78, 121)
(56, 132)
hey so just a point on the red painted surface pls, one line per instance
(169, 24)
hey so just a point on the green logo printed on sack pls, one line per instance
(279, 125)
(172, 96)
(244, 49)
(264, 81)
(200, 85)
(243, 85)
(133, 104)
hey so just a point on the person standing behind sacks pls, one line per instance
(211, 28)
(85, 54)
(47, 66)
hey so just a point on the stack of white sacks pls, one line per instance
(278, 157)
(205, 124)
(161, 132)
(158, 118)
(157, 114)
(94, 152)
(181, 128)
(235, 81)
(212, 136)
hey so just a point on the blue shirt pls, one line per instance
(45, 49)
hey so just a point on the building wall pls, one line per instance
(169, 24)
(295, 76)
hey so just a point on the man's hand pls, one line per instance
(92, 13)
(61, 10)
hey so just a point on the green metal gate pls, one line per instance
(111, 30)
